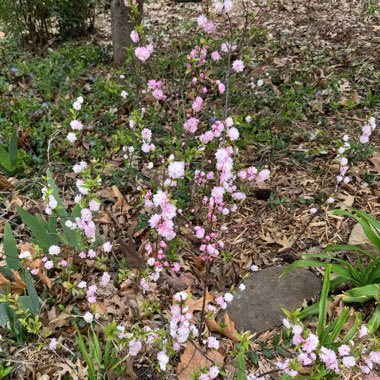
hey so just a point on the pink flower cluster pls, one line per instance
(75, 124)
(176, 170)
(156, 87)
(343, 161)
(191, 125)
(144, 52)
(49, 198)
(146, 137)
(225, 5)
(354, 354)
(181, 326)
(367, 130)
(197, 104)
(197, 56)
(157, 265)
(162, 222)
(206, 25)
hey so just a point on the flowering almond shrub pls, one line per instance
(179, 147)
(200, 184)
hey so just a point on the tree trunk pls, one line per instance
(121, 29)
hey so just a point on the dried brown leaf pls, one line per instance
(197, 304)
(193, 360)
(229, 331)
(134, 259)
(18, 286)
(36, 264)
(375, 159)
(5, 184)
(121, 204)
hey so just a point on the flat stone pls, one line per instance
(258, 307)
(359, 238)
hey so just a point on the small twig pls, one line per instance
(202, 352)
(201, 324)
(228, 69)
(304, 228)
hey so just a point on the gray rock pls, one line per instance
(258, 307)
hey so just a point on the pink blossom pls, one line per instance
(221, 302)
(144, 52)
(207, 25)
(71, 137)
(304, 358)
(94, 205)
(135, 347)
(199, 232)
(105, 279)
(88, 317)
(163, 360)
(197, 104)
(221, 87)
(238, 66)
(159, 94)
(191, 125)
(329, 358)
(311, 343)
(213, 372)
(374, 356)
(169, 211)
(76, 125)
(165, 229)
(212, 342)
(54, 250)
(176, 170)
(146, 134)
(135, 37)
(107, 247)
(206, 137)
(53, 344)
(233, 133)
(155, 220)
(297, 339)
(215, 56)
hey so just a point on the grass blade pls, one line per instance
(323, 304)
(10, 249)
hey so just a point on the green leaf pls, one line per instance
(26, 303)
(347, 247)
(253, 357)
(361, 294)
(323, 304)
(328, 257)
(275, 339)
(339, 270)
(10, 249)
(52, 229)
(354, 328)
(4, 316)
(366, 221)
(87, 357)
(337, 281)
(32, 293)
(374, 322)
(72, 236)
(241, 366)
(13, 152)
(310, 310)
(375, 274)
(338, 326)
(39, 232)
(5, 161)
(281, 350)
